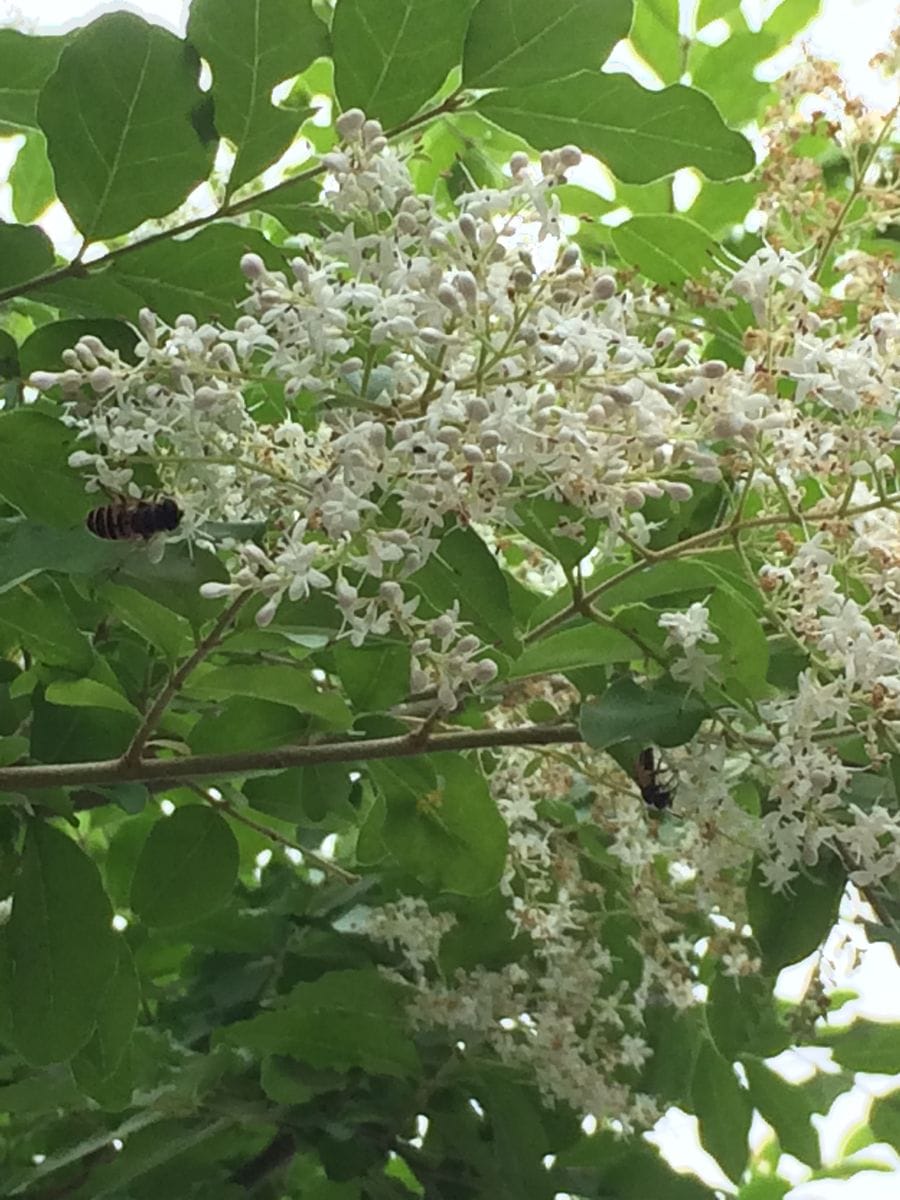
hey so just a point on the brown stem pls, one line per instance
(153, 715)
(206, 766)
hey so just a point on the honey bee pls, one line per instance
(128, 520)
(655, 792)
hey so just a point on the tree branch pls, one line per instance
(170, 691)
(212, 766)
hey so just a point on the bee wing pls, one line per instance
(156, 548)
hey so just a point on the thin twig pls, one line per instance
(854, 192)
(204, 647)
(212, 766)
(324, 864)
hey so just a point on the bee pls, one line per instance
(128, 520)
(655, 791)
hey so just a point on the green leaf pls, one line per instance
(154, 622)
(292, 686)
(654, 35)
(539, 519)
(790, 17)
(374, 676)
(742, 1016)
(31, 179)
(725, 73)
(174, 582)
(721, 206)
(66, 734)
(515, 43)
(463, 569)
(250, 48)
(345, 1019)
(284, 1080)
(518, 1139)
(667, 248)
(302, 794)
(441, 824)
(667, 714)
(791, 924)
(246, 724)
(120, 114)
(604, 1165)
(187, 867)
(12, 749)
(583, 646)
(742, 644)
(125, 847)
(640, 135)
(25, 253)
(116, 1018)
(36, 477)
(27, 548)
(35, 618)
(9, 356)
(62, 944)
(391, 56)
(884, 1119)
(25, 65)
(786, 1108)
(43, 349)
(714, 10)
(87, 693)
(723, 1109)
(865, 1046)
(199, 275)
(675, 1036)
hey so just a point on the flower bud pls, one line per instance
(391, 593)
(485, 672)
(215, 591)
(102, 379)
(449, 298)
(468, 228)
(252, 266)
(44, 380)
(604, 287)
(713, 369)
(465, 284)
(349, 123)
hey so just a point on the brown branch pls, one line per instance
(213, 766)
(204, 647)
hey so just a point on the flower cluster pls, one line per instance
(415, 372)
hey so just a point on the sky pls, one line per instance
(849, 32)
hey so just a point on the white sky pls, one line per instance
(849, 32)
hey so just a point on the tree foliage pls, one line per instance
(518, 691)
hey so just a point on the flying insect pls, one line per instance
(131, 520)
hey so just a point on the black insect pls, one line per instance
(131, 519)
(655, 791)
